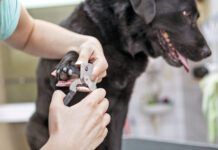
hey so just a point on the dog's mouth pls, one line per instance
(171, 53)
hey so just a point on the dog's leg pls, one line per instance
(37, 132)
(119, 109)
(114, 138)
(37, 128)
(116, 127)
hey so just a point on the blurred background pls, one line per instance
(175, 107)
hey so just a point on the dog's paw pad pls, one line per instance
(67, 69)
(66, 72)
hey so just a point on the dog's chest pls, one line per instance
(123, 68)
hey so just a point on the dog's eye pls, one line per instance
(186, 13)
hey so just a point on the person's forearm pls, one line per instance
(51, 41)
(44, 39)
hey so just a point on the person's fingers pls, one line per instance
(84, 55)
(83, 89)
(57, 99)
(100, 138)
(103, 135)
(102, 108)
(106, 119)
(98, 118)
(99, 80)
(101, 76)
(56, 103)
(94, 98)
(100, 66)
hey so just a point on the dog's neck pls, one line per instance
(119, 24)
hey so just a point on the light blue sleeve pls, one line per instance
(9, 17)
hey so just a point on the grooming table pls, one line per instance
(144, 144)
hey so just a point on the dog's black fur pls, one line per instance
(130, 32)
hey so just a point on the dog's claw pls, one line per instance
(65, 69)
(54, 73)
(70, 72)
(67, 72)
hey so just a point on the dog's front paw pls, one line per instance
(67, 69)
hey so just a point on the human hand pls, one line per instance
(81, 126)
(91, 50)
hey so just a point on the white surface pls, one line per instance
(158, 109)
(16, 113)
(48, 3)
(214, 7)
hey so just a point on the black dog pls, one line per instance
(130, 31)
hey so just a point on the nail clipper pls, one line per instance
(84, 81)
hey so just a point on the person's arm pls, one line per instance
(48, 40)
(44, 39)
(79, 127)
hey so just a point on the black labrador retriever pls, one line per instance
(130, 31)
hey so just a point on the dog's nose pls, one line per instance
(205, 51)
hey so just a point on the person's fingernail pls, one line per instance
(79, 62)
(99, 81)
(83, 89)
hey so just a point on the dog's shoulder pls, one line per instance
(112, 22)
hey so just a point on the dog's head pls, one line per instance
(173, 32)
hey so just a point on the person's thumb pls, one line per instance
(57, 98)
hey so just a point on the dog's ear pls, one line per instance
(145, 9)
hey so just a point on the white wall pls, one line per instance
(214, 7)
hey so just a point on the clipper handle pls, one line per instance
(69, 97)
